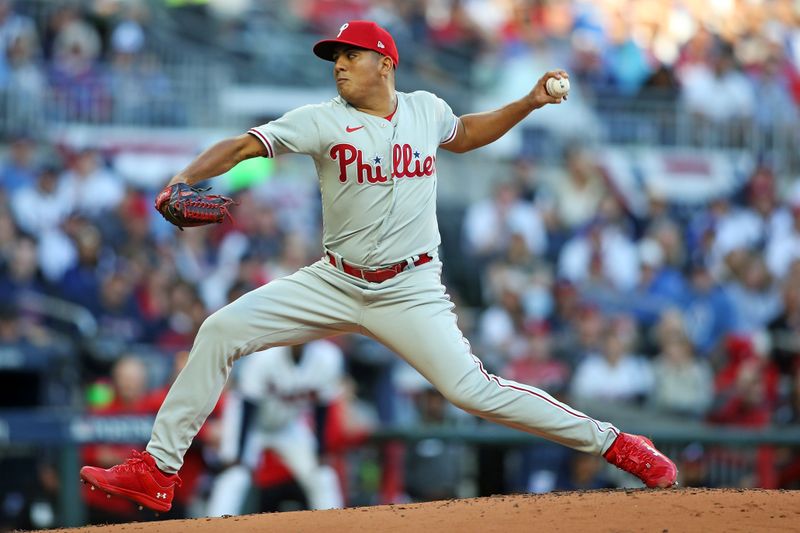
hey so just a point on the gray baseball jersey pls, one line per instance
(377, 176)
(378, 181)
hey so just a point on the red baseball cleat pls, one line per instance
(637, 455)
(138, 479)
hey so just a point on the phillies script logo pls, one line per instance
(406, 163)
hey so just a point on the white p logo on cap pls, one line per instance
(344, 27)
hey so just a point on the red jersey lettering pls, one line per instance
(406, 163)
(345, 154)
(364, 170)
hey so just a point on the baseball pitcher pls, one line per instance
(375, 153)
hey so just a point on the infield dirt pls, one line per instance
(701, 510)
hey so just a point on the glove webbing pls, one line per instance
(202, 209)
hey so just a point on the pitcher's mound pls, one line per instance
(612, 510)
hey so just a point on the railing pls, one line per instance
(60, 310)
(148, 94)
(653, 120)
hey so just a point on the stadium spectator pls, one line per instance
(74, 46)
(746, 388)
(13, 26)
(754, 295)
(734, 102)
(38, 207)
(88, 187)
(536, 366)
(457, 40)
(128, 230)
(500, 325)
(783, 247)
(21, 273)
(775, 80)
(295, 253)
(702, 234)
(747, 228)
(9, 233)
(682, 383)
(577, 191)
(186, 313)
(708, 313)
(668, 233)
(20, 167)
(267, 235)
(670, 325)
(582, 333)
(588, 65)
(26, 84)
(660, 285)
(80, 282)
(600, 256)
(525, 175)
(194, 255)
(490, 224)
(119, 319)
(615, 374)
(625, 59)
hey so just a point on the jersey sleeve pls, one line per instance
(295, 132)
(446, 121)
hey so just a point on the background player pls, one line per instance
(275, 395)
(375, 153)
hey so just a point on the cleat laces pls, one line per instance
(136, 463)
(143, 462)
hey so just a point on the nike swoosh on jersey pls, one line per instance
(348, 129)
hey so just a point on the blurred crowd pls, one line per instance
(97, 60)
(66, 61)
(690, 314)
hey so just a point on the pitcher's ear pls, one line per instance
(387, 65)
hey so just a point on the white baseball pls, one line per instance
(557, 87)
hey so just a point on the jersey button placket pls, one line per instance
(389, 214)
(389, 139)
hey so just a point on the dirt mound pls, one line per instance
(612, 510)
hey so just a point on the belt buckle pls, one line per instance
(368, 271)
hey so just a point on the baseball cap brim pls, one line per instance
(324, 49)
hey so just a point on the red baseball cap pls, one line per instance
(363, 34)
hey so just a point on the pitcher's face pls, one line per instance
(357, 72)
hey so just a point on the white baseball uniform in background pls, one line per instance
(269, 408)
(378, 182)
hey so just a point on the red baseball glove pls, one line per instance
(186, 206)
